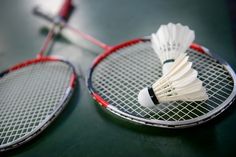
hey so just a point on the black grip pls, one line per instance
(38, 11)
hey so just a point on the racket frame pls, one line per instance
(47, 121)
(154, 122)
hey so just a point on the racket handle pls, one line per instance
(66, 10)
(64, 13)
(38, 11)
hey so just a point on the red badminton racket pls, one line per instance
(120, 72)
(34, 92)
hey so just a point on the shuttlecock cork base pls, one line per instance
(147, 97)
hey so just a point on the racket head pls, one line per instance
(116, 77)
(33, 93)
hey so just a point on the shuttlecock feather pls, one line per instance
(179, 83)
(170, 41)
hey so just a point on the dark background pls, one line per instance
(83, 128)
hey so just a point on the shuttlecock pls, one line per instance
(179, 83)
(170, 41)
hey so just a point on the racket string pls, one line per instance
(120, 76)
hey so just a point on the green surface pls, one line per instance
(84, 129)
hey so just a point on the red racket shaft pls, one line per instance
(41, 13)
(88, 37)
(47, 42)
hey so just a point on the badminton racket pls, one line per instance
(34, 92)
(121, 71)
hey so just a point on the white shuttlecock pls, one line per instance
(180, 83)
(170, 41)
